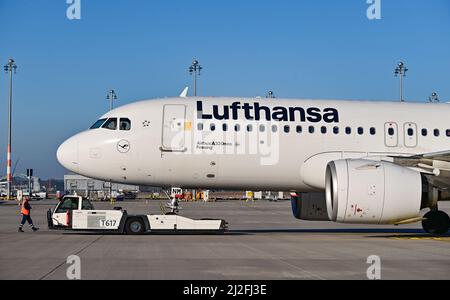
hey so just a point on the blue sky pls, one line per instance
(142, 48)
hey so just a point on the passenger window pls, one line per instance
(249, 128)
(262, 128)
(98, 124)
(348, 130)
(360, 130)
(373, 131)
(311, 129)
(213, 127)
(274, 128)
(299, 129)
(410, 132)
(448, 132)
(287, 129)
(424, 132)
(111, 124)
(237, 128)
(437, 133)
(323, 129)
(125, 124)
(391, 131)
(225, 127)
(336, 130)
(200, 126)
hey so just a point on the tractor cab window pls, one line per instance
(98, 124)
(86, 205)
(111, 124)
(68, 204)
(125, 124)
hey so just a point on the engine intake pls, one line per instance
(371, 192)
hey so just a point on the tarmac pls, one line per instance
(265, 242)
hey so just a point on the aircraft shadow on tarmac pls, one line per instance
(389, 232)
(386, 232)
(157, 233)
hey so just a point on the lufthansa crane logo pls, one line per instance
(123, 146)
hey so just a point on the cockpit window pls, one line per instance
(111, 124)
(98, 124)
(125, 124)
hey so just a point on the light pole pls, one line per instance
(270, 95)
(10, 68)
(111, 97)
(195, 69)
(434, 98)
(400, 71)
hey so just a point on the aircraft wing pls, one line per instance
(436, 166)
(440, 156)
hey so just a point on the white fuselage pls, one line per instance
(183, 142)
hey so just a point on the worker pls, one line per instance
(26, 215)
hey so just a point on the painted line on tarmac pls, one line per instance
(64, 262)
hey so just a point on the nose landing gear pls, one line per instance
(436, 222)
(174, 206)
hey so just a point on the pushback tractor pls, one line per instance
(78, 214)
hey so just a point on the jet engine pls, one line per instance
(372, 192)
(309, 206)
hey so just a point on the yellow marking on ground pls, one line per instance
(439, 239)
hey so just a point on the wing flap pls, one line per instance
(442, 156)
(436, 166)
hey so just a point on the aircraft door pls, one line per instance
(173, 135)
(391, 134)
(410, 132)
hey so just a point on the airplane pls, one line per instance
(360, 162)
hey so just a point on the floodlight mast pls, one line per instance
(9, 68)
(434, 98)
(195, 70)
(400, 71)
(111, 97)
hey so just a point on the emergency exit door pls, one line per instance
(391, 134)
(173, 135)
(410, 132)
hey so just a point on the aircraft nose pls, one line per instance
(67, 154)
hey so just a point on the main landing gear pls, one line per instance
(436, 222)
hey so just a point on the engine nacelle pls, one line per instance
(371, 192)
(309, 206)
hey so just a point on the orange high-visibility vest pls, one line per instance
(24, 211)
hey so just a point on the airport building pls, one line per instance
(20, 183)
(94, 189)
